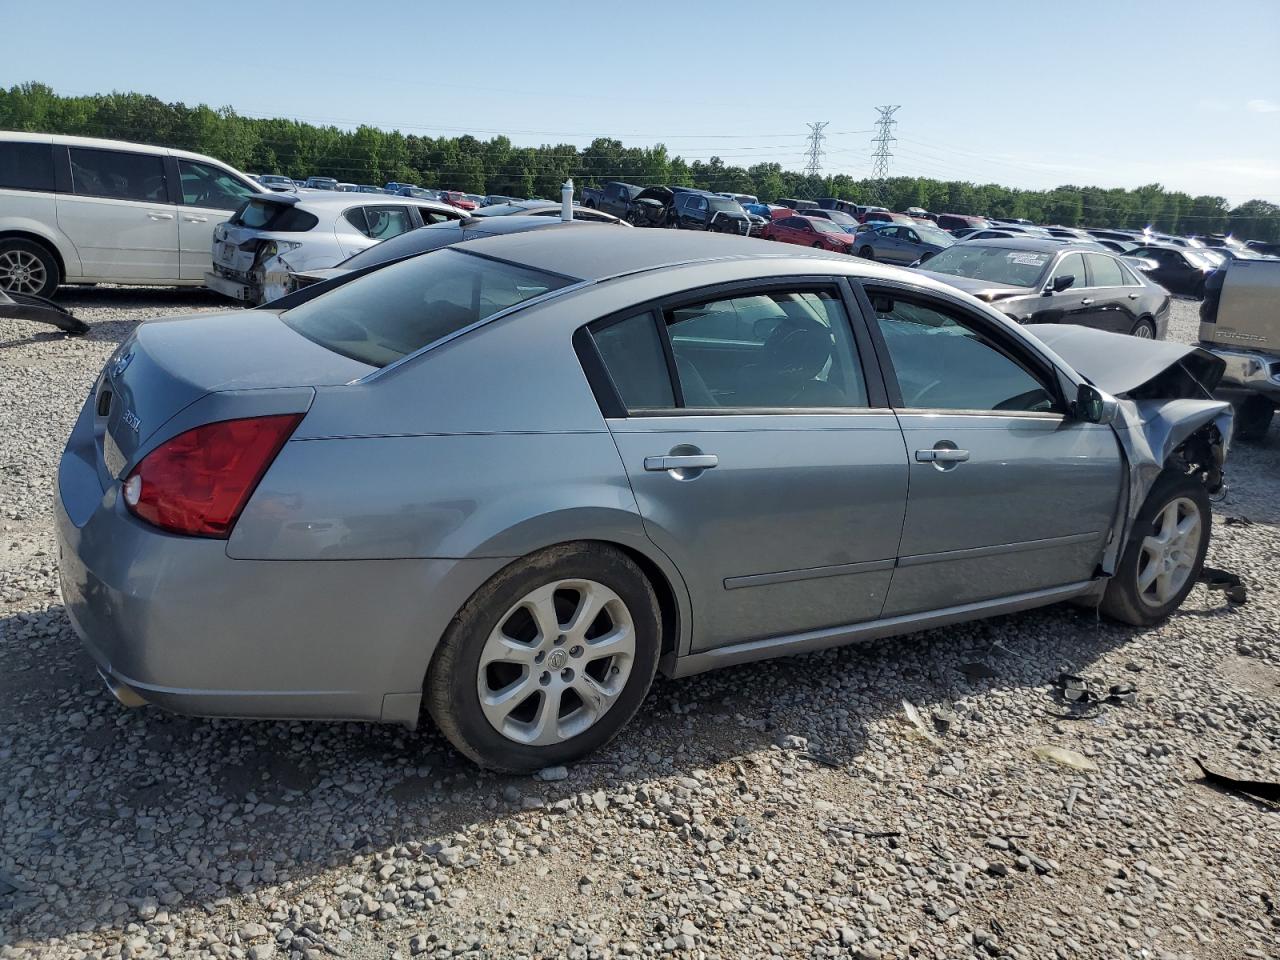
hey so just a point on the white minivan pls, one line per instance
(78, 210)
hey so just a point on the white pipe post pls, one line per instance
(566, 200)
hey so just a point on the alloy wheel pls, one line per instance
(1169, 552)
(21, 271)
(556, 662)
(1143, 331)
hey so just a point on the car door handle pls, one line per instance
(700, 461)
(196, 219)
(1133, 296)
(160, 216)
(1086, 301)
(942, 455)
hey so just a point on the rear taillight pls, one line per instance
(198, 482)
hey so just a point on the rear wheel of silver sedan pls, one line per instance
(548, 660)
(1165, 554)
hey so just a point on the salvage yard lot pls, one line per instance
(736, 816)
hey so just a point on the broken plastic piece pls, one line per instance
(821, 758)
(1259, 789)
(1228, 583)
(917, 721)
(977, 670)
(25, 306)
(1068, 758)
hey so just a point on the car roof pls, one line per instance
(326, 199)
(100, 144)
(599, 251)
(1043, 245)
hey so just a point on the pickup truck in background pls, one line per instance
(614, 197)
(1240, 322)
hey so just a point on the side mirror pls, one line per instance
(1094, 406)
(1061, 283)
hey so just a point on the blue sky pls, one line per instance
(1020, 92)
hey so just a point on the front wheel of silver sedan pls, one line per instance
(1165, 554)
(548, 660)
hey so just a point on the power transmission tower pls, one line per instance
(813, 168)
(880, 159)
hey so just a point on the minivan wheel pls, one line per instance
(548, 660)
(1144, 330)
(1165, 553)
(28, 267)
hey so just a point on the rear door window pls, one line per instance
(26, 166)
(118, 175)
(1104, 271)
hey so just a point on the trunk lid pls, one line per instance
(166, 365)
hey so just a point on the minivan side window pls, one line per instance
(26, 166)
(206, 186)
(118, 175)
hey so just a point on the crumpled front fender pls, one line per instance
(1150, 432)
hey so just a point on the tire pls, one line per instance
(1145, 605)
(819, 245)
(1253, 418)
(866, 253)
(926, 257)
(28, 267)
(1144, 329)
(494, 644)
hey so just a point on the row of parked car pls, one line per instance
(464, 201)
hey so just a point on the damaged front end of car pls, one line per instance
(1165, 415)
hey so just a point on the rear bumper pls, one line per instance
(173, 621)
(1249, 371)
(231, 287)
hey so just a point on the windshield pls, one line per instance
(825, 226)
(935, 236)
(418, 301)
(1018, 268)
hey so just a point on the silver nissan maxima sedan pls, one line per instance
(508, 482)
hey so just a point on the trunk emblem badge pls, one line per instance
(131, 420)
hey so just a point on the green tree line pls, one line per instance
(496, 166)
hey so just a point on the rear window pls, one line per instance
(419, 301)
(277, 217)
(26, 166)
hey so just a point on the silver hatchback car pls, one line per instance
(510, 481)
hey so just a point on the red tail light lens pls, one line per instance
(198, 482)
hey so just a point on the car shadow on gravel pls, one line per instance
(108, 806)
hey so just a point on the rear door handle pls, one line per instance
(196, 219)
(160, 216)
(1086, 301)
(700, 461)
(941, 455)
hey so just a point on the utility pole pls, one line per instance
(880, 159)
(813, 167)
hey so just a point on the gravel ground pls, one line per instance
(782, 809)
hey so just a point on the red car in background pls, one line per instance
(809, 232)
(456, 198)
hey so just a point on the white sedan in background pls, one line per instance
(276, 234)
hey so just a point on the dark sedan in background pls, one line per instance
(1048, 281)
(902, 244)
(1181, 270)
